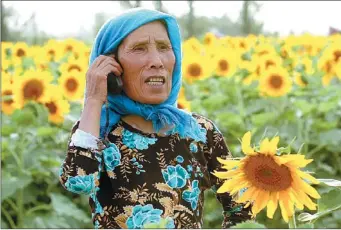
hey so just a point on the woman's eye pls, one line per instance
(139, 48)
(164, 47)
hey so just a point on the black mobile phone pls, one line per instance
(114, 83)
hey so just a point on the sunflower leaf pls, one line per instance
(331, 182)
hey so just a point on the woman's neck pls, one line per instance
(140, 123)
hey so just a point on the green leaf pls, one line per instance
(65, 207)
(11, 184)
(306, 225)
(46, 131)
(262, 118)
(331, 182)
(249, 224)
(304, 106)
(331, 137)
(329, 200)
(7, 129)
(23, 117)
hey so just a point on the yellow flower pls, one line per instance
(275, 82)
(31, 86)
(72, 84)
(192, 45)
(269, 179)
(270, 60)
(225, 63)
(264, 48)
(79, 64)
(56, 105)
(196, 67)
(52, 50)
(210, 39)
(8, 105)
(20, 50)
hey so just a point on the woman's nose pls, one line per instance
(155, 59)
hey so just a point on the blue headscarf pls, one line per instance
(107, 40)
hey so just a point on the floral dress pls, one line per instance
(145, 178)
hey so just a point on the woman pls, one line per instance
(142, 160)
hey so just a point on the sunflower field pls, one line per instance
(287, 87)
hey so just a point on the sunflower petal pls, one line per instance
(283, 211)
(272, 205)
(273, 145)
(307, 176)
(246, 142)
(228, 164)
(262, 200)
(264, 146)
(248, 195)
(226, 175)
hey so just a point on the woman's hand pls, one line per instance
(96, 77)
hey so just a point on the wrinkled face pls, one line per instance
(147, 59)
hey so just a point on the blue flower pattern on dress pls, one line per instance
(179, 159)
(142, 215)
(193, 147)
(175, 176)
(192, 196)
(135, 140)
(112, 157)
(81, 184)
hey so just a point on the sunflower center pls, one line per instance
(263, 52)
(8, 93)
(223, 65)
(337, 55)
(207, 40)
(71, 84)
(72, 67)
(20, 53)
(51, 52)
(276, 81)
(264, 173)
(194, 70)
(69, 48)
(52, 107)
(33, 89)
(269, 63)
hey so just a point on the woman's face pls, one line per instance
(147, 59)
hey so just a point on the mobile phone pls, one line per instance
(114, 83)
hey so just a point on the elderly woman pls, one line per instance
(141, 160)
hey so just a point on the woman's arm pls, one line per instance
(233, 212)
(80, 171)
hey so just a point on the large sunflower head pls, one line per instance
(196, 67)
(270, 179)
(225, 63)
(275, 82)
(72, 84)
(56, 105)
(32, 86)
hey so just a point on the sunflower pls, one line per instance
(196, 67)
(275, 82)
(56, 105)
(72, 84)
(8, 105)
(226, 63)
(32, 86)
(264, 48)
(210, 39)
(269, 179)
(79, 64)
(192, 46)
(20, 50)
(270, 60)
(52, 50)
(71, 45)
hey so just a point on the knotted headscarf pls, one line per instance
(107, 40)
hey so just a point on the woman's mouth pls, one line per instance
(156, 81)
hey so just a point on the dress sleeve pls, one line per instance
(80, 170)
(233, 212)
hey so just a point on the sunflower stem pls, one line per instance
(292, 222)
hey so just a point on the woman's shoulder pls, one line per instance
(205, 122)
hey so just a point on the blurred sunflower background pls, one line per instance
(241, 76)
